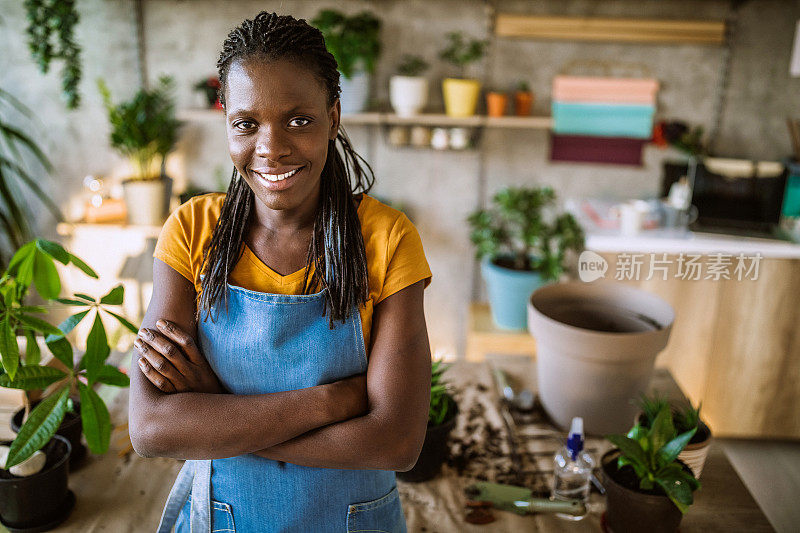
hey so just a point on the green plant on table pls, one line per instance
(442, 403)
(51, 31)
(684, 417)
(652, 454)
(460, 51)
(354, 41)
(144, 129)
(523, 86)
(412, 65)
(17, 179)
(521, 231)
(34, 265)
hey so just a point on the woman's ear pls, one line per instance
(334, 115)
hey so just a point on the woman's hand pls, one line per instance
(171, 361)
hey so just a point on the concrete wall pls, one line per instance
(182, 38)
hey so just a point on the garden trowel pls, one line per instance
(520, 500)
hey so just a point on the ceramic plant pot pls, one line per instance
(460, 96)
(496, 104)
(632, 510)
(695, 453)
(42, 501)
(523, 102)
(596, 344)
(355, 92)
(147, 201)
(509, 291)
(408, 95)
(434, 452)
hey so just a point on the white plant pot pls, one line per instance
(355, 92)
(147, 201)
(408, 95)
(596, 344)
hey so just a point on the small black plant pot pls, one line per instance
(435, 451)
(632, 510)
(42, 501)
(70, 428)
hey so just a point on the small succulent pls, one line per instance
(652, 454)
(442, 403)
(412, 66)
(460, 51)
(684, 417)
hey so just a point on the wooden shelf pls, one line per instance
(425, 119)
(611, 29)
(484, 337)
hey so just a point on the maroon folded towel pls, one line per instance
(586, 149)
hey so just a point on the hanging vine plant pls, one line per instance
(51, 25)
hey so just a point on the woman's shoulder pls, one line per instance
(378, 218)
(207, 206)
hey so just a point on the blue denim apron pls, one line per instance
(269, 343)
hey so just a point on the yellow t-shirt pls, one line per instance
(395, 258)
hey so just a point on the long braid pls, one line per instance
(336, 251)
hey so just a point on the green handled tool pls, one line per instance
(520, 500)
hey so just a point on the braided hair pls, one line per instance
(337, 247)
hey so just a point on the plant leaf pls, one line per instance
(84, 297)
(26, 251)
(678, 490)
(72, 301)
(78, 262)
(114, 297)
(61, 349)
(662, 431)
(37, 324)
(669, 452)
(123, 321)
(39, 428)
(96, 420)
(97, 349)
(629, 448)
(32, 377)
(54, 250)
(9, 349)
(70, 323)
(33, 355)
(111, 375)
(45, 277)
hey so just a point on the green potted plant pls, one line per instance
(42, 499)
(355, 44)
(441, 421)
(461, 93)
(408, 90)
(144, 129)
(647, 487)
(523, 99)
(522, 243)
(684, 417)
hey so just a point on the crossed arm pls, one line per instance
(377, 421)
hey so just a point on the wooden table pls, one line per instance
(127, 493)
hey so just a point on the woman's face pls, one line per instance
(279, 124)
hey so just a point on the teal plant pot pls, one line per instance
(509, 291)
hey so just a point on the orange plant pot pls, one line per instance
(523, 102)
(496, 104)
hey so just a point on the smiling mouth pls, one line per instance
(278, 177)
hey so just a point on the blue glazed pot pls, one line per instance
(509, 291)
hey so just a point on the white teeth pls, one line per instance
(278, 177)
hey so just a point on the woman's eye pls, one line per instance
(304, 121)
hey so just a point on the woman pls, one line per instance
(253, 351)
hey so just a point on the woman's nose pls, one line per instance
(272, 145)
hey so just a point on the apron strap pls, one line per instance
(194, 476)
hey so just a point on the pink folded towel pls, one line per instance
(605, 90)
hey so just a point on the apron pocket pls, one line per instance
(221, 517)
(384, 515)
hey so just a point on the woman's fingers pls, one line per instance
(182, 339)
(152, 351)
(165, 347)
(155, 378)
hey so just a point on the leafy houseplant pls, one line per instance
(647, 488)
(144, 129)
(684, 417)
(408, 90)
(441, 421)
(17, 178)
(51, 28)
(461, 94)
(522, 243)
(355, 44)
(34, 265)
